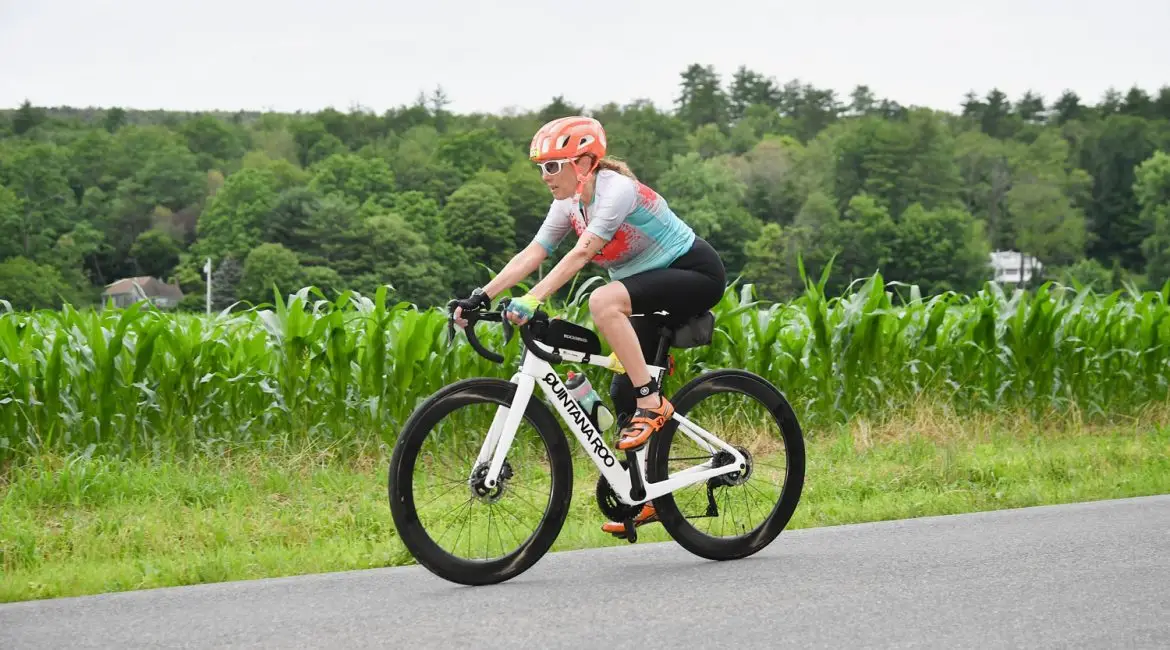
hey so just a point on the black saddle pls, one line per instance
(692, 332)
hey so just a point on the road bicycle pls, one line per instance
(497, 467)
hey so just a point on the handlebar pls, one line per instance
(539, 320)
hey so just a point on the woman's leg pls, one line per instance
(610, 309)
(693, 284)
(621, 389)
(684, 296)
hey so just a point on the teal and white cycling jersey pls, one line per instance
(640, 229)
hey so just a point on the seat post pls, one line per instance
(665, 335)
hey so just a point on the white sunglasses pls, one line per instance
(553, 167)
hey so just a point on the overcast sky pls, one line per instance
(299, 54)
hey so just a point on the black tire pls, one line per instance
(675, 523)
(401, 489)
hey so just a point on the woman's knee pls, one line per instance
(612, 299)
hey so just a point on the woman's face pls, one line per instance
(561, 182)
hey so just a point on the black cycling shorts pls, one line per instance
(690, 286)
(693, 284)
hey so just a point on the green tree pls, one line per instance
(701, 98)
(940, 250)
(1112, 151)
(1068, 107)
(399, 256)
(89, 162)
(27, 285)
(27, 118)
(331, 234)
(235, 216)
(324, 278)
(768, 172)
(1152, 189)
(277, 144)
(750, 88)
(78, 254)
(860, 241)
(709, 141)
(528, 201)
(1030, 108)
(36, 175)
(16, 235)
(558, 108)
(417, 166)
(287, 222)
(115, 119)
(897, 163)
(477, 220)
(467, 152)
(353, 177)
(288, 175)
(155, 253)
(772, 257)
(422, 214)
(268, 266)
(212, 141)
(769, 263)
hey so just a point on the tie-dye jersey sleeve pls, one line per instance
(619, 200)
(556, 225)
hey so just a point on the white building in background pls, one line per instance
(1006, 266)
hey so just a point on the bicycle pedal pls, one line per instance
(631, 530)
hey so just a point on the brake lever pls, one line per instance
(451, 321)
(509, 328)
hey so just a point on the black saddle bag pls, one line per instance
(696, 332)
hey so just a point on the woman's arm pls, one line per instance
(519, 267)
(587, 246)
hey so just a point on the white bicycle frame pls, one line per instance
(536, 371)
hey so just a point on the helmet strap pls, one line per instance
(583, 178)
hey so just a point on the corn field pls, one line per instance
(349, 371)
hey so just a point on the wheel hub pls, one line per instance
(478, 482)
(738, 477)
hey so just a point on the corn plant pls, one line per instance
(349, 371)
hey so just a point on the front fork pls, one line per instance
(503, 430)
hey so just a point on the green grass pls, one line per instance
(83, 525)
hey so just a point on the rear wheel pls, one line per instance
(734, 515)
(446, 516)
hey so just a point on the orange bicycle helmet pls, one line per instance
(566, 138)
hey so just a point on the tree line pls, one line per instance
(430, 201)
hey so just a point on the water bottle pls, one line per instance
(582, 391)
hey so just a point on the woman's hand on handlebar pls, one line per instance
(522, 309)
(477, 301)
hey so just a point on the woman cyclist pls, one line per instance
(654, 259)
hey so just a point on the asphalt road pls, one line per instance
(1093, 575)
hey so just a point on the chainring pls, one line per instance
(608, 503)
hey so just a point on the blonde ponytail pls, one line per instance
(615, 165)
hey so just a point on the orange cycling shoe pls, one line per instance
(643, 424)
(647, 516)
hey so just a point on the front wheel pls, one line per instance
(734, 515)
(445, 515)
